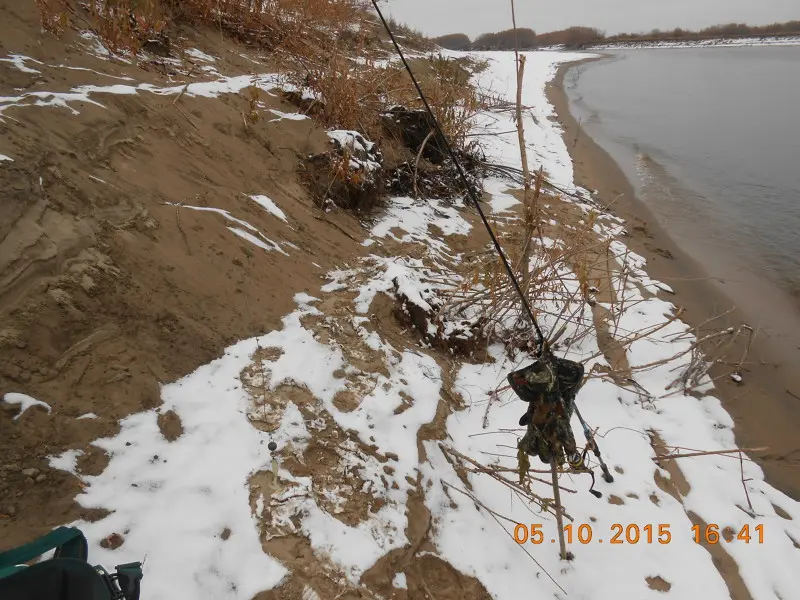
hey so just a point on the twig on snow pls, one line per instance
(709, 453)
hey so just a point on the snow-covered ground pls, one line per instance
(69, 99)
(545, 146)
(712, 43)
(190, 505)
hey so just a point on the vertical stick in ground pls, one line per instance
(528, 202)
(559, 518)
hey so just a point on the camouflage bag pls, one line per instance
(543, 385)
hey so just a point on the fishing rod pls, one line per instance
(587, 432)
(543, 349)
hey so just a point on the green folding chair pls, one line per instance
(66, 576)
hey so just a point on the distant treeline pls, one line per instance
(582, 37)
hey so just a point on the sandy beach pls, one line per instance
(765, 406)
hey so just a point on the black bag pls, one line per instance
(66, 576)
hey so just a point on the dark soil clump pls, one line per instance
(459, 338)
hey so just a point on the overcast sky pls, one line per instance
(473, 17)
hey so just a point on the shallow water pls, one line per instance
(711, 139)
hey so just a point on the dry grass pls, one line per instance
(127, 25)
(355, 90)
(556, 284)
(455, 101)
(54, 15)
(354, 87)
(411, 37)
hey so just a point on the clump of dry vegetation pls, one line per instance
(129, 25)
(348, 176)
(458, 337)
(354, 90)
(410, 36)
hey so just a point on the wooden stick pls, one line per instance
(752, 514)
(425, 585)
(571, 491)
(710, 453)
(419, 155)
(508, 483)
(672, 448)
(185, 116)
(577, 132)
(183, 233)
(744, 485)
(492, 396)
(183, 91)
(337, 227)
(527, 201)
(559, 521)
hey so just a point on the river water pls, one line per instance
(710, 137)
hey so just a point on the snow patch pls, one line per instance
(265, 243)
(712, 43)
(545, 147)
(200, 55)
(206, 89)
(363, 153)
(259, 239)
(174, 499)
(24, 402)
(288, 116)
(67, 461)
(351, 139)
(399, 581)
(269, 205)
(415, 218)
(18, 60)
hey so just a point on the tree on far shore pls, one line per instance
(572, 37)
(454, 41)
(582, 37)
(506, 40)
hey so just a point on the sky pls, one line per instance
(473, 17)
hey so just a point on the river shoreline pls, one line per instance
(764, 407)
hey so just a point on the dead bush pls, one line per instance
(354, 90)
(447, 85)
(54, 15)
(349, 176)
(368, 94)
(411, 37)
(458, 335)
